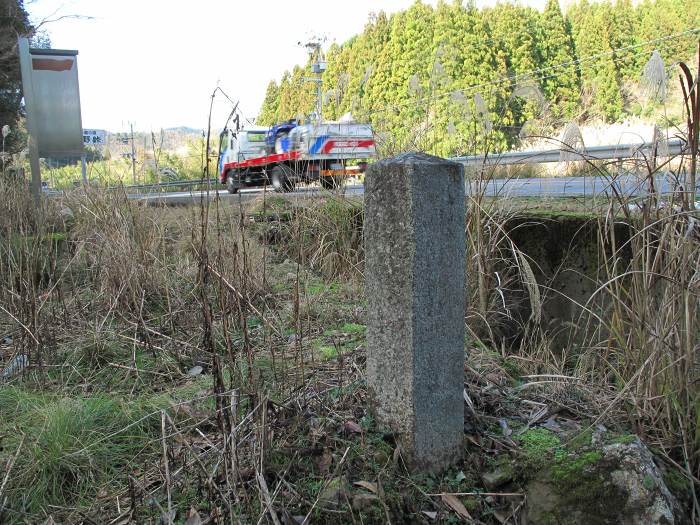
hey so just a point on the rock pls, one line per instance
(615, 483)
(195, 371)
(7, 340)
(15, 366)
(168, 517)
(362, 502)
(66, 214)
(380, 457)
(334, 492)
(497, 477)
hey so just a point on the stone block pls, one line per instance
(415, 280)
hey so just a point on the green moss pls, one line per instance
(568, 468)
(315, 289)
(649, 482)
(352, 328)
(538, 440)
(624, 439)
(582, 482)
(328, 352)
(538, 445)
(677, 483)
(580, 440)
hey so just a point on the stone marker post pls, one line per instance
(414, 272)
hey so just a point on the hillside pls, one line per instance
(457, 79)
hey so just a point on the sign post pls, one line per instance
(94, 137)
(52, 104)
(28, 91)
(91, 137)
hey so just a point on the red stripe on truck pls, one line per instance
(262, 161)
(346, 144)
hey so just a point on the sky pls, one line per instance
(155, 63)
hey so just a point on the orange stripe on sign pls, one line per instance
(51, 64)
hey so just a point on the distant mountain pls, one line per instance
(186, 130)
(176, 140)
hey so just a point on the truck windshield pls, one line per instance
(256, 136)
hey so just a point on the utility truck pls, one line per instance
(292, 152)
(289, 153)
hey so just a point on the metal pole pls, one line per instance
(28, 93)
(319, 84)
(133, 154)
(83, 168)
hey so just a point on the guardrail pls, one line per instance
(168, 184)
(611, 152)
(615, 151)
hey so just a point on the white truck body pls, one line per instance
(333, 141)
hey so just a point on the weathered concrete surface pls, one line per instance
(414, 271)
(618, 483)
(569, 267)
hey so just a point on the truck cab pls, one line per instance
(244, 144)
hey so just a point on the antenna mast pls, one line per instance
(318, 66)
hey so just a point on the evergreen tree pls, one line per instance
(270, 106)
(560, 77)
(455, 79)
(366, 51)
(514, 30)
(666, 17)
(285, 109)
(406, 61)
(14, 22)
(331, 80)
(624, 29)
(599, 74)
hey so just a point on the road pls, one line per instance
(535, 187)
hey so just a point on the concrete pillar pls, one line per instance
(414, 273)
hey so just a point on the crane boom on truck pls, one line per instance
(289, 153)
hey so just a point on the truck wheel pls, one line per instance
(280, 181)
(232, 183)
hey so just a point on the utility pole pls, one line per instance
(133, 154)
(318, 66)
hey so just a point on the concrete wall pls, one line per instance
(565, 256)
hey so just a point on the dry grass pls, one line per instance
(115, 302)
(181, 367)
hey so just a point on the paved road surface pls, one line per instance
(539, 187)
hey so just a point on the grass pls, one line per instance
(274, 313)
(68, 449)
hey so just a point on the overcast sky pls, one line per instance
(155, 62)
